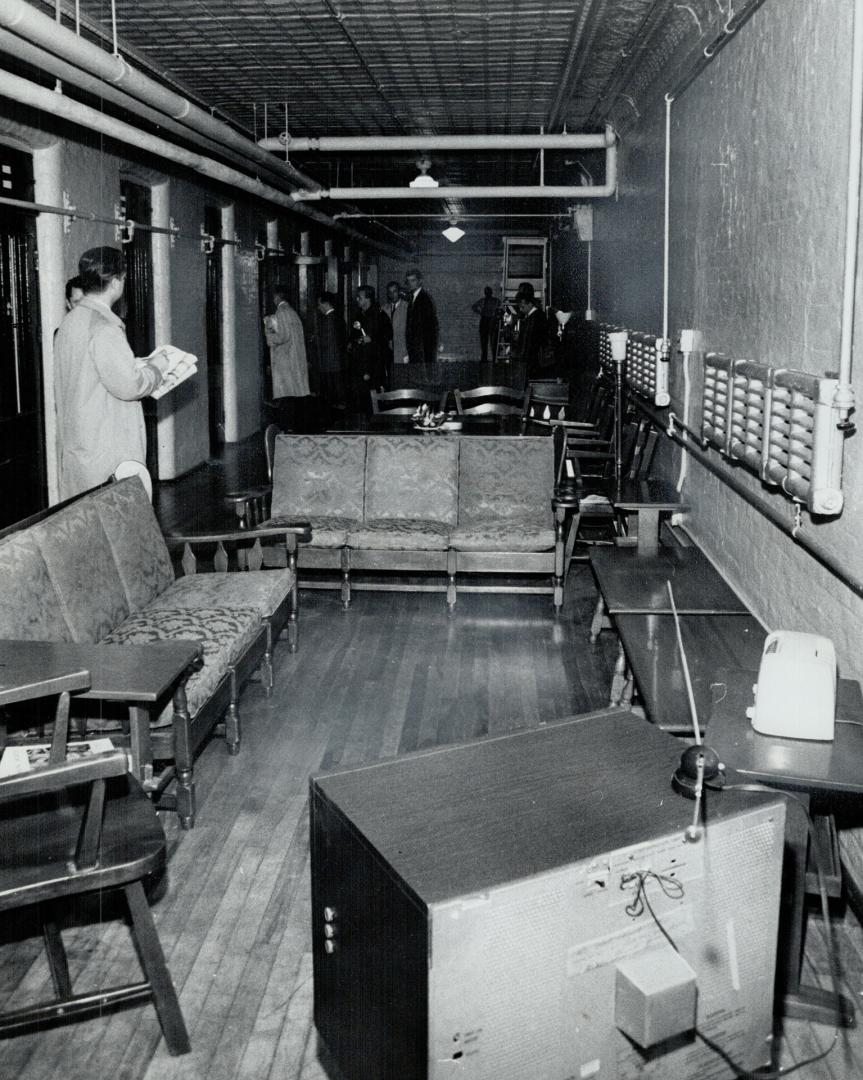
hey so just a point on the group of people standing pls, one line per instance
(344, 363)
(528, 328)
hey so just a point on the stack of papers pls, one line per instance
(21, 759)
(181, 366)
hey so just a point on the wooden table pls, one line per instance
(712, 642)
(826, 770)
(647, 499)
(140, 676)
(381, 424)
(633, 582)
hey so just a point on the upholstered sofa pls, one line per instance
(97, 570)
(451, 505)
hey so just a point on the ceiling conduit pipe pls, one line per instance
(502, 191)
(843, 400)
(24, 20)
(72, 76)
(29, 93)
(377, 143)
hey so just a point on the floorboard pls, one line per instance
(392, 674)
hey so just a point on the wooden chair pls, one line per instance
(491, 401)
(74, 827)
(405, 402)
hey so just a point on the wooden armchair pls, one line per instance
(491, 401)
(73, 827)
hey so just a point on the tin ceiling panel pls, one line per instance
(370, 67)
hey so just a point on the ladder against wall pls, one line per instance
(525, 259)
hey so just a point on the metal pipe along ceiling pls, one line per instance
(30, 24)
(501, 191)
(364, 143)
(29, 93)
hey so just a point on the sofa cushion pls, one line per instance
(260, 591)
(223, 634)
(411, 477)
(503, 536)
(319, 476)
(29, 605)
(505, 479)
(330, 532)
(400, 534)
(133, 532)
(81, 564)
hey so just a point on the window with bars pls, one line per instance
(780, 424)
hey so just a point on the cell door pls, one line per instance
(22, 434)
(136, 306)
(215, 351)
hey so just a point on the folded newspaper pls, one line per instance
(21, 759)
(181, 366)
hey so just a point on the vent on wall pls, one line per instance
(779, 424)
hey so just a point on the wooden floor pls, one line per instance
(391, 675)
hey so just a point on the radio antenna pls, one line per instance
(699, 764)
(693, 710)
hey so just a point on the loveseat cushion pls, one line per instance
(330, 532)
(260, 591)
(29, 605)
(81, 565)
(412, 478)
(525, 536)
(505, 479)
(137, 545)
(223, 634)
(400, 534)
(318, 476)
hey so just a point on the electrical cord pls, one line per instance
(674, 889)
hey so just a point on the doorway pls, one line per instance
(214, 315)
(23, 473)
(137, 309)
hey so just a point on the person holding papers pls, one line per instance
(99, 383)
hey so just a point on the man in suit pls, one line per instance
(532, 334)
(331, 352)
(396, 310)
(421, 330)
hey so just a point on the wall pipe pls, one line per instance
(28, 23)
(813, 547)
(843, 399)
(502, 191)
(375, 143)
(29, 93)
(74, 76)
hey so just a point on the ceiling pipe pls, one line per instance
(375, 143)
(30, 24)
(39, 97)
(502, 191)
(73, 76)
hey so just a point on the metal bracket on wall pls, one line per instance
(68, 219)
(208, 242)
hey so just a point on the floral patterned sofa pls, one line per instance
(97, 570)
(423, 505)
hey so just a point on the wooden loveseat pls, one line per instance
(446, 505)
(97, 570)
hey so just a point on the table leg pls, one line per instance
(796, 1000)
(140, 745)
(647, 524)
(182, 744)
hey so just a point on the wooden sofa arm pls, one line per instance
(252, 506)
(289, 532)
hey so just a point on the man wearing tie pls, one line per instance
(421, 330)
